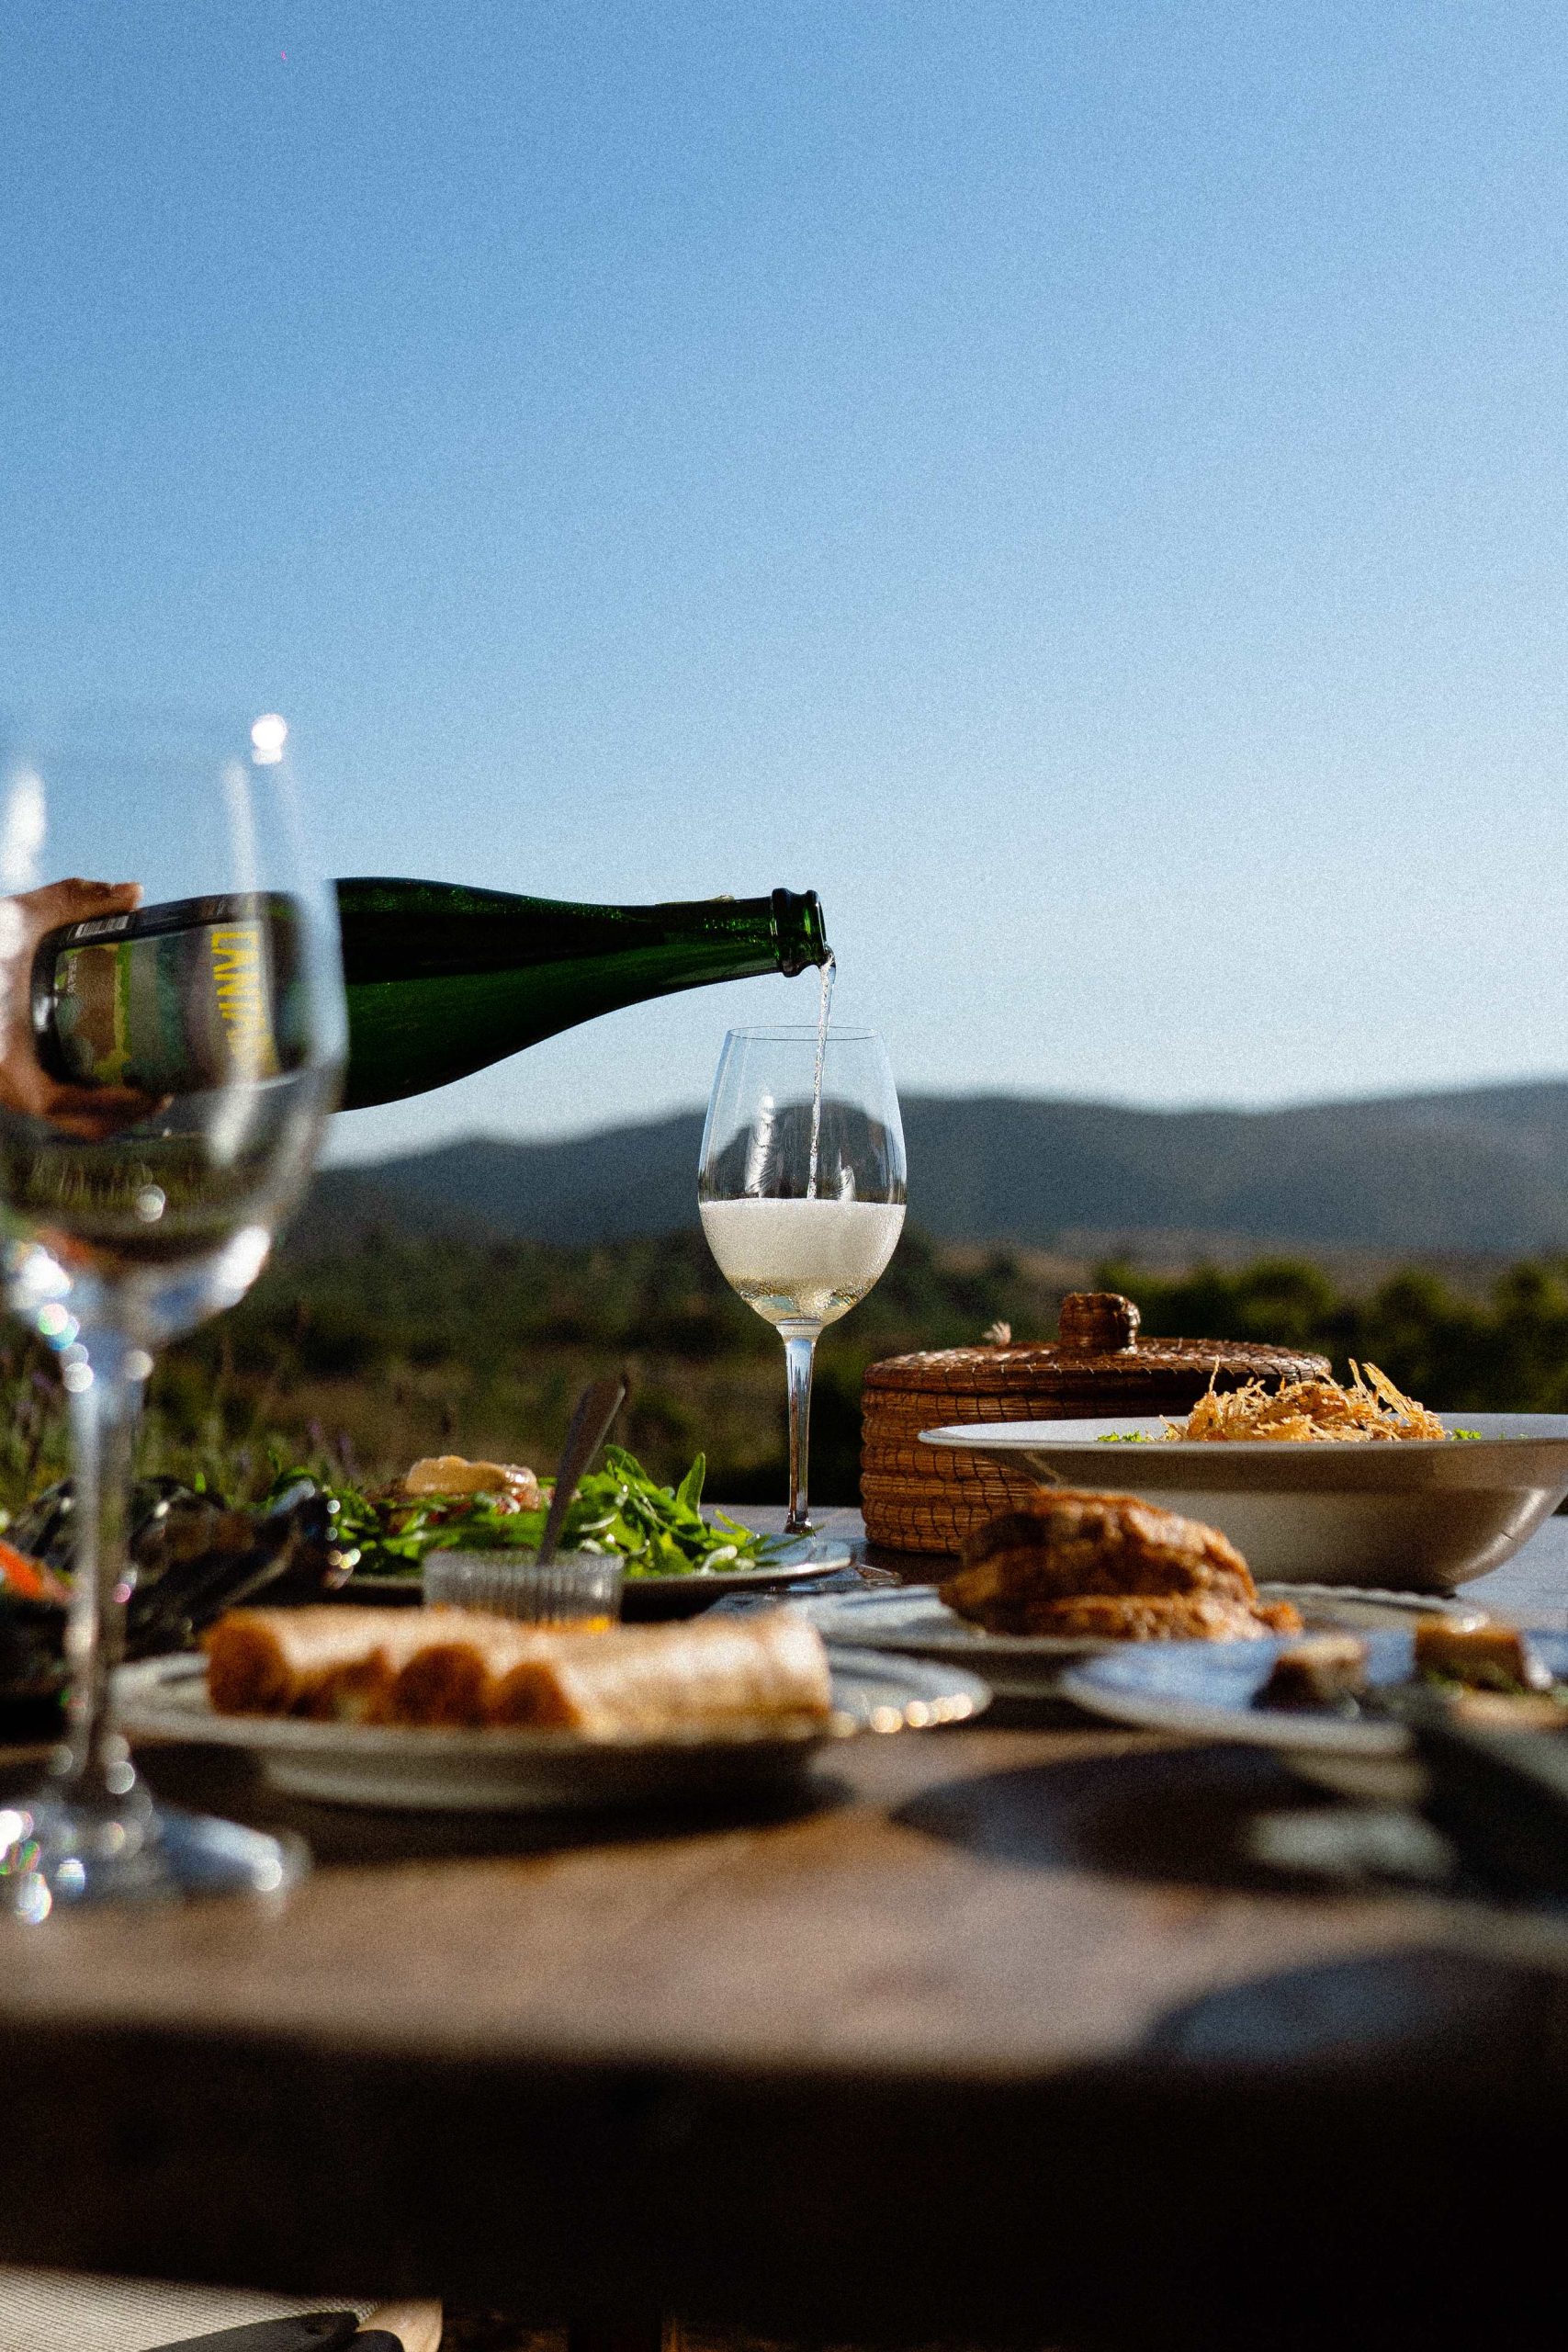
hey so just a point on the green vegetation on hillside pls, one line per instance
(397, 1348)
(393, 1348)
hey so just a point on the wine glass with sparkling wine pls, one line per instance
(169, 1047)
(801, 1190)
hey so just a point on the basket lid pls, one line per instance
(1097, 1340)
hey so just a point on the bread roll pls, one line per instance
(645, 1681)
(324, 1661)
(456, 1667)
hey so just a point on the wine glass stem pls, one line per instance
(799, 1352)
(105, 1408)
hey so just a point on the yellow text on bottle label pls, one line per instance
(240, 984)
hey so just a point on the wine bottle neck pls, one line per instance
(798, 931)
(390, 926)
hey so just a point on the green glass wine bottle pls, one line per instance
(443, 979)
(440, 979)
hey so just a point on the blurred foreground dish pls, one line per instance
(447, 1667)
(1480, 1672)
(193, 1558)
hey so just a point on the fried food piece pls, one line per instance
(1279, 1616)
(1063, 1544)
(1153, 1617)
(1322, 1671)
(441, 1474)
(1371, 1409)
(1483, 1656)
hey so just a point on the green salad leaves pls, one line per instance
(659, 1531)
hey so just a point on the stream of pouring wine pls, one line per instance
(829, 970)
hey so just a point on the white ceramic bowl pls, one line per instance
(1415, 1516)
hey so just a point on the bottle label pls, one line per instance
(175, 1001)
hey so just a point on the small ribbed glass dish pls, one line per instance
(579, 1589)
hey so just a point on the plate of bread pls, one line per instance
(444, 1708)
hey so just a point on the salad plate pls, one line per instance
(678, 1557)
(914, 1621)
(528, 1771)
(1421, 1514)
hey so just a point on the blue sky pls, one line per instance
(1083, 486)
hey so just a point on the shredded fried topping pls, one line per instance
(1371, 1409)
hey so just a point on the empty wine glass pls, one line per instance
(169, 1047)
(801, 1192)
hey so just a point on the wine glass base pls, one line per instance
(57, 1853)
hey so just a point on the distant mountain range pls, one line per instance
(1483, 1172)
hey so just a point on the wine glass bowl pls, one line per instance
(801, 1190)
(170, 1048)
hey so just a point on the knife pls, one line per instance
(596, 1409)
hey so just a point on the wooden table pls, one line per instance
(994, 2036)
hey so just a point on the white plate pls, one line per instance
(524, 1771)
(913, 1623)
(1420, 1515)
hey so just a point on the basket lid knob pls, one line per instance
(1099, 1321)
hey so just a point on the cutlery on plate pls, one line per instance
(596, 1409)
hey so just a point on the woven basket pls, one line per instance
(924, 1498)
